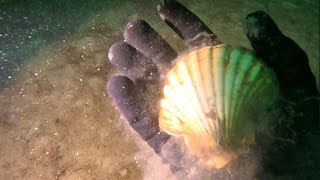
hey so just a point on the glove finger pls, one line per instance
(132, 63)
(136, 110)
(281, 53)
(144, 38)
(297, 83)
(186, 24)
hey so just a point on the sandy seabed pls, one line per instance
(56, 120)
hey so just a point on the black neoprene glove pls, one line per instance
(144, 58)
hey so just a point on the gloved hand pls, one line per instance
(144, 58)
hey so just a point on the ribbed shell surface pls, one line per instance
(213, 97)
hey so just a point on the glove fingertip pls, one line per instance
(259, 26)
(146, 40)
(186, 24)
(119, 54)
(133, 27)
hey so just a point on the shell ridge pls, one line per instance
(194, 66)
(193, 98)
(218, 58)
(240, 88)
(214, 105)
(235, 57)
(237, 90)
(174, 92)
(176, 117)
(187, 104)
(206, 83)
(210, 93)
(249, 108)
(174, 127)
(251, 77)
(166, 109)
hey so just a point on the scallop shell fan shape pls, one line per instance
(215, 96)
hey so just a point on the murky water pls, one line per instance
(56, 120)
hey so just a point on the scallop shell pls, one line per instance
(215, 97)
